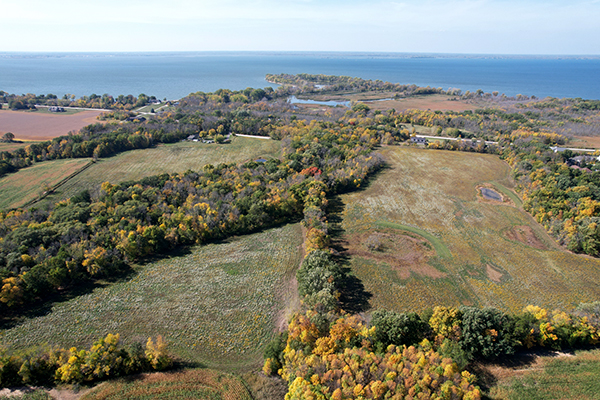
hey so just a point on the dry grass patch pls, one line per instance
(525, 235)
(405, 254)
(204, 384)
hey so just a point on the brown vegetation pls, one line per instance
(27, 125)
(526, 235)
(404, 253)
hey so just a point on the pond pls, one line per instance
(490, 194)
(332, 103)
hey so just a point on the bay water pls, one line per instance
(174, 75)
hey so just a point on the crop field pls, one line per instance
(438, 242)
(191, 384)
(217, 305)
(29, 183)
(169, 158)
(36, 125)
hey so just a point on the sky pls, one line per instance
(547, 27)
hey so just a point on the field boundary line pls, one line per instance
(438, 245)
(59, 184)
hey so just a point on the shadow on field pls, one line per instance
(354, 297)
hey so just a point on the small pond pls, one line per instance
(490, 194)
(295, 100)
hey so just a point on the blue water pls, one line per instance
(174, 75)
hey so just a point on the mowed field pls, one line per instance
(29, 183)
(218, 305)
(169, 158)
(36, 125)
(441, 243)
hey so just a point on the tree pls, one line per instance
(8, 137)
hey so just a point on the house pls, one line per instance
(418, 140)
(193, 137)
(137, 118)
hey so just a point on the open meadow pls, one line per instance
(217, 305)
(191, 384)
(421, 235)
(29, 183)
(42, 125)
(138, 164)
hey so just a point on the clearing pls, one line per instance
(218, 305)
(442, 245)
(30, 183)
(37, 125)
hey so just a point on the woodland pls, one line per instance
(334, 346)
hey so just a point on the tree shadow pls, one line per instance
(354, 298)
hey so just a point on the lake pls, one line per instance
(174, 75)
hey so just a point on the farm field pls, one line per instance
(438, 242)
(27, 184)
(216, 306)
(169, 158)
(28, 125)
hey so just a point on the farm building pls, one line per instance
(418, 140)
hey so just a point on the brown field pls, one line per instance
(437, 102)
(376, 101)
(28, 125)
(14, 146)
(585, 142)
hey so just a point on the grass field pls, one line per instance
(29, 183)
(217, 306)
(170, 158)
(191, 384)
(558, 378)
(485, 253)
(14, 146)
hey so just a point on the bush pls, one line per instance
(397, 329)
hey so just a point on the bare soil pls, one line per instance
(493, 274)
(525, 235)
(28, 125)
(404, 253)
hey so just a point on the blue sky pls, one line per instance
(451, 26)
